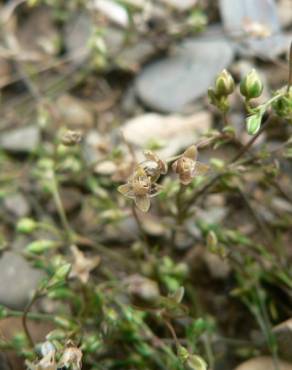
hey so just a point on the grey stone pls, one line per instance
(24, 139)
(18, 280)
(283, 333)
(240, 16)
(77, 32)
(74, 113)
(17, 204)
(171, 83)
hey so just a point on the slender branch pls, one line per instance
(33, 299)
(141, 229)
(60, 208)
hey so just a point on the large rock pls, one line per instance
(74, 113)
(248, 21)
(18, 280)
(263, 363)
(171, 83)
(17, 204)
(24, 139)
(174, 132)
(283, 333)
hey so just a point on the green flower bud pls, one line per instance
(26, 225)
(60, 274)
(251, 85)
(253, 123)
(283, 105)
(40, 246)
(212, 241)
(224, 84)
(190, 361)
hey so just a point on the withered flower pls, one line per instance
(82, 266)
(187, 166)
(71, 358)
(140, 188)
(153, 166)
(48, 362)
(71, 137)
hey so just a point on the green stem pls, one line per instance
(25, 314)
(60, 208)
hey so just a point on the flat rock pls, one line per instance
(38, 34)
(74, 113)
(76, 35)
(18, 280)
(17, 204)
(94, 147)
(174, 132)
(245, 21)
(114, 11)
(263, 363)
(173, 82)
(24, 139)
(180, 4)
(283, 333)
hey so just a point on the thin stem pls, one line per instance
(141, 229)
(25, 314)
(251, 141)
(172, 331)
(266, 232)
(60, 208)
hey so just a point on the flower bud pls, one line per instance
(283, 105)
(253, 124)
(212, 241)
(224, 84)
(40, 246)
(60, 274)
(251, 85)
(26, 225)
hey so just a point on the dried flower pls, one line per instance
(48, 362)
(187, 166)
(71, 358)
(82, 266)
(153, 166)
(71, 137)
(140, 188)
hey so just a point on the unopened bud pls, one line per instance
(283, 105)
(60, 274)
(26, 225)
(253, 123)
(40, 246)
(212, 240)
(224, 84)
(251, 85)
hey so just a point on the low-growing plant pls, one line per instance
(138, 308)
